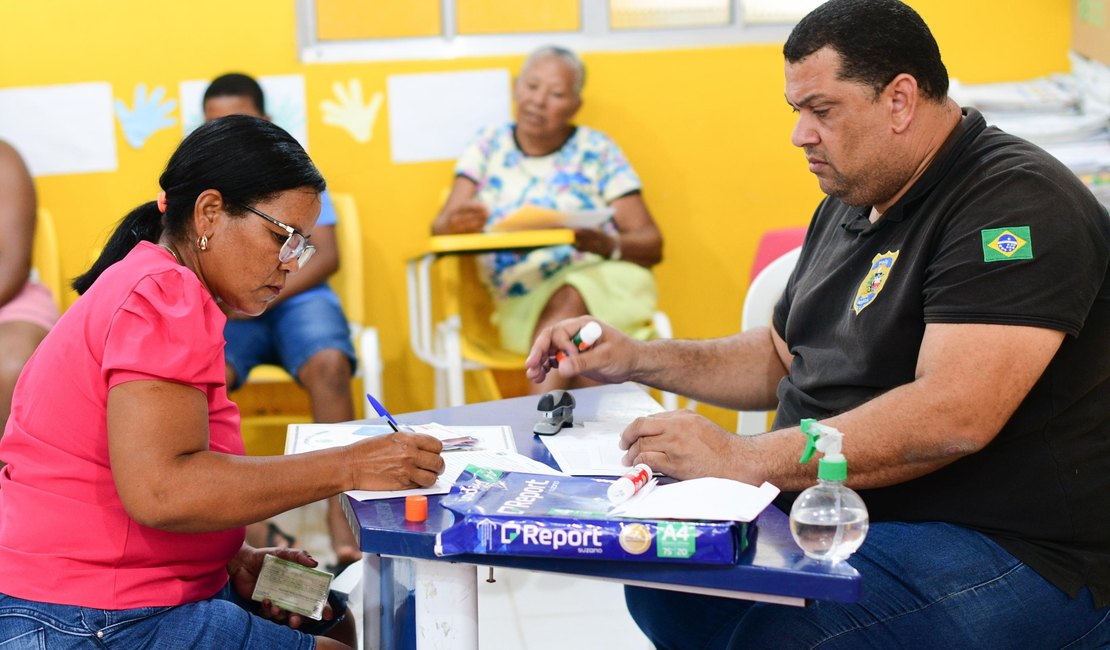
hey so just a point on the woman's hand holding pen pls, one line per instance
(395, 461)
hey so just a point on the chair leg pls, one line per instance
(452, 355)
(661, 323)
(751, 423)
(370, 362)
(440, 370)
(441, 388)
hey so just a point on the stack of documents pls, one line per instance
(1067, 115)
(706, 499)
(515, 513)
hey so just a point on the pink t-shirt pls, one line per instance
(64, 534)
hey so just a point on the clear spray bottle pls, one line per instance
(828, 520)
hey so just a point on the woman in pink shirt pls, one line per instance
(125, 494)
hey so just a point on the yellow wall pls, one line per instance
(707, 129)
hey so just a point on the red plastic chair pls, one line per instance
(775, 259)
(773, 244)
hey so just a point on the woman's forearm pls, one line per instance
(641, 247)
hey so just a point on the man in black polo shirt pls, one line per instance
(950, 313)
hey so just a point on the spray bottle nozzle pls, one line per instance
(809, 428)
(826, 440)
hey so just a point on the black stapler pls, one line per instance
(558, 412)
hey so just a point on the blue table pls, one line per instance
(402, 570)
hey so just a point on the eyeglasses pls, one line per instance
(294, 248)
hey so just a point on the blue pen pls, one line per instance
(382, 412)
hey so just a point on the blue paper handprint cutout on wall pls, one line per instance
(148, 115)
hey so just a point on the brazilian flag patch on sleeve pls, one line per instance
(1001, 244)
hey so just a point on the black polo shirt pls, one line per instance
(995, 231)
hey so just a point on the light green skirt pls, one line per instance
(620, 293)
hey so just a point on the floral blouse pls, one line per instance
(588, 172)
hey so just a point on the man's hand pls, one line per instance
(685, 445)
(611, 359)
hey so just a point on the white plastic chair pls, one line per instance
(462, 339)
(759, 305)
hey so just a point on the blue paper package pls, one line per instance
(517, 513)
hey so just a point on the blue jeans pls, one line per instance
(928, 585)
(288, 334)
(219, 622)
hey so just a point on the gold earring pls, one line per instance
(202, 242)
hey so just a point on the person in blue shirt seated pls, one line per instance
(304, 330)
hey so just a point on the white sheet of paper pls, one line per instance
(711, 499)
(64, 129)
(285, 104)
(433, 116)
(587, 218)
(630, 405)
(495, 449)
(590, 449)
(455, 462)
(300, 438)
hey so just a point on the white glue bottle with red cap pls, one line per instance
(633, 481)
(828, 520)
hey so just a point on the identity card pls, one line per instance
(293, 587)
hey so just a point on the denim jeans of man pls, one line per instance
(925, 585)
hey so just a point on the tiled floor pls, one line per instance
(520, 610)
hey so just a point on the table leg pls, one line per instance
(446, 606)
(371, 602)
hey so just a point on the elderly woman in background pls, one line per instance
(544, 159)
(27, 309)
(126, 490)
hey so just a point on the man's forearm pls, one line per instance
(970, 381)
(738, 372)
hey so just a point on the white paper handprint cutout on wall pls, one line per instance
(348, 111)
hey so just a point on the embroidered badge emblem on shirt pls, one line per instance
(876, 278)
(1013, 243)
